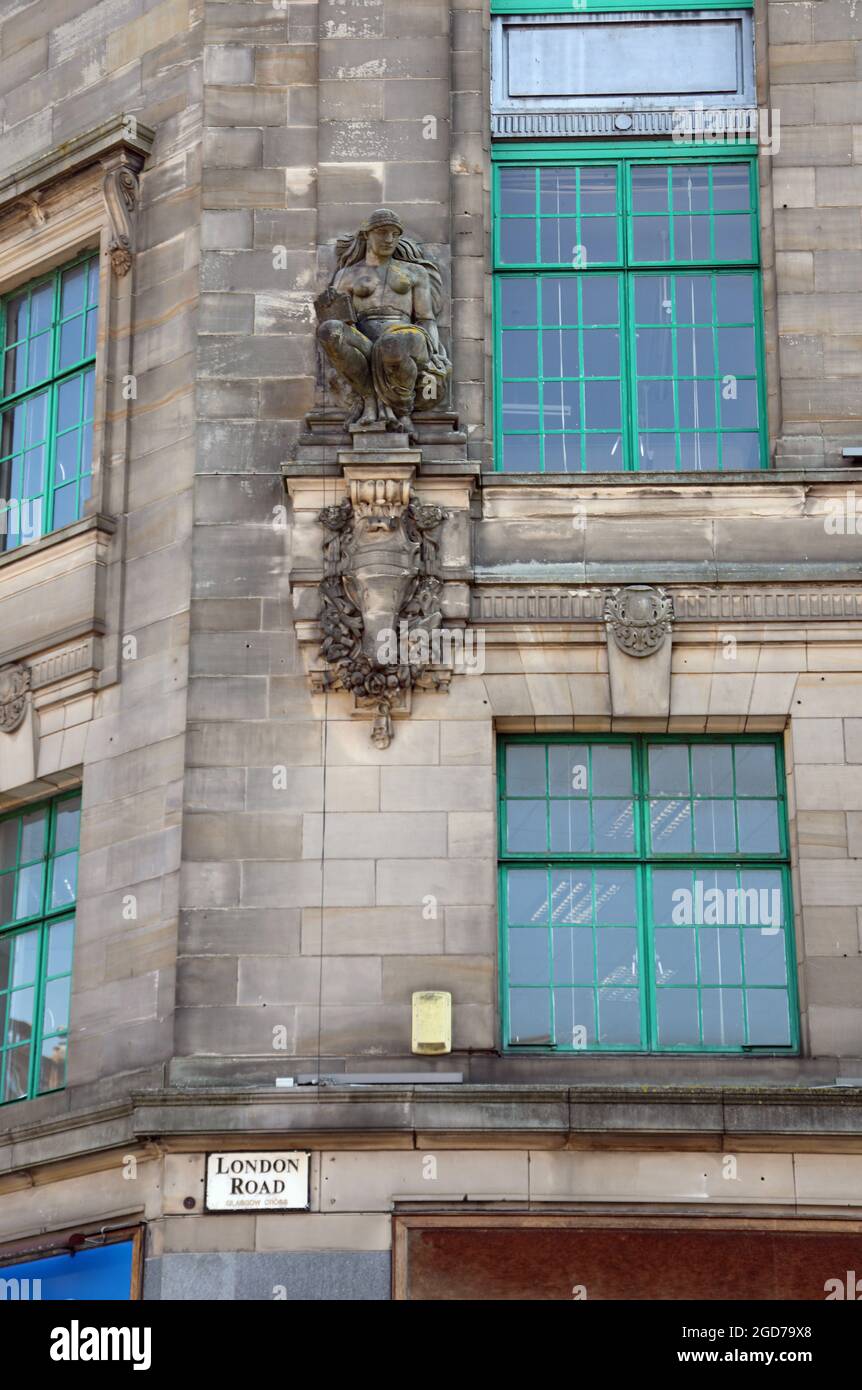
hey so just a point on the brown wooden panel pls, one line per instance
(546, 1262)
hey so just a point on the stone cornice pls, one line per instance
(826, 1118)
(93, 147)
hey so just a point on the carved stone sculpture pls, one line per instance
(378, 325)
(14, 684)
(380, 596)
(639, 617)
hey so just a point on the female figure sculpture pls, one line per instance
(378, 324)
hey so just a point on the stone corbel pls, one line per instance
(120, 192)
(31, 206)
(639, 623)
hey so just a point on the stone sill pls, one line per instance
(105, 524)
(761, 477)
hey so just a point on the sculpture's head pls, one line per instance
(383, 232)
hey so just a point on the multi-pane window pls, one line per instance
(627, 314)
(48, 349)
(645, 896)
(38, 878)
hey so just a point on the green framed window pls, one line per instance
(645, 895)
(628, 320)
(38, 884)
(48, 344)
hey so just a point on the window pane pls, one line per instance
(730, 187)
(527, 896)
(521, 453)
(558, 190)
(670, 823)
(755, 769)
(33, 828)
(720, 958)
(723, 1024)
(613, 827)
(611, 770)
(649, 188)
(17, 318)
(690, 188)
(9, 842)
(712, 769)
(768, 1017)
(17, 1070)
(71, 342)
(572, 896)
(758, 827)
(651, 238)
(619, 1017)
(527, 829)
(675, 956)
(529, 962)
(518, 302)
(60, 948)
(574, 1018)
(517, 190)
(598, 190)
(714, 827)
(52, 1074)
(518, 241)
(668, 769)
(65, 505)
(520, 354)
(529, 1016)
(56, 1012)
(525, 770)
(615, 896)
(678, 1017)
(570, 827)
(72, 290)
(520, 405)
(573, 956)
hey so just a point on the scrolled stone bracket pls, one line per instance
(120, 192)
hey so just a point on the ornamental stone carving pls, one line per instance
(120, 191)
(378, 326)
(380, 597)
(14, 685)
(639, 617)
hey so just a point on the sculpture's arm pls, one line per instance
(423, 310)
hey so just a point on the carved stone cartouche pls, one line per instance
(14, 685)
(640, 617)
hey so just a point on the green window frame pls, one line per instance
(645, 896)
(38, 889)
(48, 331)
(628, 317)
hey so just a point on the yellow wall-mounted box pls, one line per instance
(432, 1021)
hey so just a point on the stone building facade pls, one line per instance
(270, 865)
